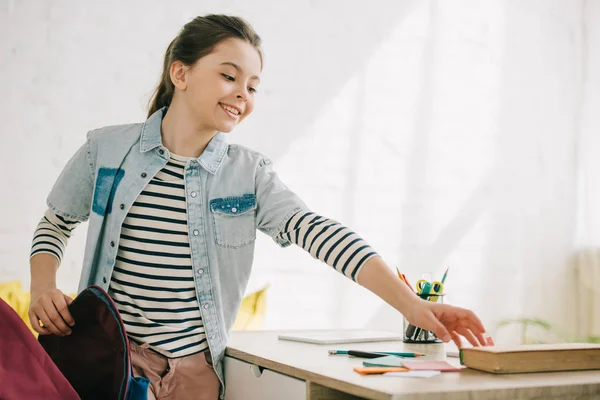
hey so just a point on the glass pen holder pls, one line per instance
(414, 334)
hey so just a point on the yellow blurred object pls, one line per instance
(17, 299)
(249, 317)
(252, 311)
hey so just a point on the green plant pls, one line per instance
(526, 323)
(546, 326)
(590, 339)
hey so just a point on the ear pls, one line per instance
(178, 72)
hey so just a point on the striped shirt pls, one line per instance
(52, 234)
(152, 282)
(329, 241)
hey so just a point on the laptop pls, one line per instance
(344, 336)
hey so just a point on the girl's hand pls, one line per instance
(447, 322)
(50, 307)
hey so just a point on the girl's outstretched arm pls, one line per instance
(446, 321)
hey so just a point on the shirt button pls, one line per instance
(122, 206)
(200, 271)
(193, 194)
(206, 306)
(112, 244)
(161, 152)
(196, 232)
(144, 175)
(104, 280)
(234, 210)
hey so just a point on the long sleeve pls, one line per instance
(52, 234)
(328, 241)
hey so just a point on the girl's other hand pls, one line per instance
(50, 307)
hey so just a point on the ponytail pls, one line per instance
(164, 91)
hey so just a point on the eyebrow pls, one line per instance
(237, 67)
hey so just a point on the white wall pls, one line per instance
(73, 66)
(444, 132)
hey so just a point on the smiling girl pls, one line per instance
(173, 210)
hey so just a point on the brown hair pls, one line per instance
(196, 39)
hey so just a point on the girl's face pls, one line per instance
(221, 86)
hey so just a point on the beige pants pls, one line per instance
(191, 377)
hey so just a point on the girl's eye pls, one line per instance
(252, 90)
(229, 77)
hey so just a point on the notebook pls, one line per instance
(378, 370)
(441, 366)
(532, 358)
(334, 337)
(388, 361)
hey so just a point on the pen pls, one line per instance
(403, 278)
(369, 354)
(400, 275)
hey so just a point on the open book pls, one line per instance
(532, 358)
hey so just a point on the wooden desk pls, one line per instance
(259, 366)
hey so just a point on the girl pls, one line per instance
(173, 211)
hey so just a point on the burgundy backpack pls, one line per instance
(26, 371)
(95, 357)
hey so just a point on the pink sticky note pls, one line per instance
(442, 366)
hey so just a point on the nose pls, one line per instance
(243, 93)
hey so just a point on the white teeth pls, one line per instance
(231, 110)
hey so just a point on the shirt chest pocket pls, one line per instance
(234, 220)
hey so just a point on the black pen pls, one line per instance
(369, 354)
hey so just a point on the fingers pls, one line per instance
(62, 307)
(469, 322)
(458, 321)
(34, 320)
(456, 339)
(51, 309)
(481, 339)
(470, 330)
(469, 336)
(48, 324)
(475, 323)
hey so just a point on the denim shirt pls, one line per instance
(230, 192)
